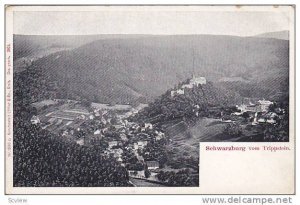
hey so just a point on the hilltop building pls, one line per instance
(198, 81)
(194, 81)
(177, 92)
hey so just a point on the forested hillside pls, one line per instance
(194, 103)
(43, 159)
(125, 70)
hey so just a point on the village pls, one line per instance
(262, 112)
(104, 126)
(260, 121)
(137, 145)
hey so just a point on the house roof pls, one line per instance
(152, 164)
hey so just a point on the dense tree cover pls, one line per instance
(183, 162)
(279, 131)
(43, 159)
(181, 178)
(233, 130)
(267, 88)
(156, 150)
(32, 85)
(129, 157)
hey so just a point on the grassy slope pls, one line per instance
(187, 142)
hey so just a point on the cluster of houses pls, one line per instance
(259, 112)
(130, 135)
(194, 81)
(134, 137)
(139, 136)
(260, 106)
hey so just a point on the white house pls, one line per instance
(237, 113)
(138, 174)
(135, 146)
(142, 144)
(148, 126)
(264, 105)
(242, 107)
(35, 120)
(103, 121)
(271, 121)
(65, 132)
(97, 132)
(91, 117)
(112, 144)
(261, 120)
(117, 152)
(97, 114)
(249, 108)
(180, 91)
(177, 92)
(159, 136)
(152, 165)
(260, 106)
(80, 142)
(187, 86)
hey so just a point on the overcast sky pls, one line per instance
(245, 23)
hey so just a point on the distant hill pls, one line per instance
(132, 68)
(37, 46)
(282, 35)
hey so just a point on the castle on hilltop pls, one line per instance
(194, 81)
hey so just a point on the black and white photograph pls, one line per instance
(123, 96)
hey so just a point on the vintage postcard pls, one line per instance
(150, 99)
